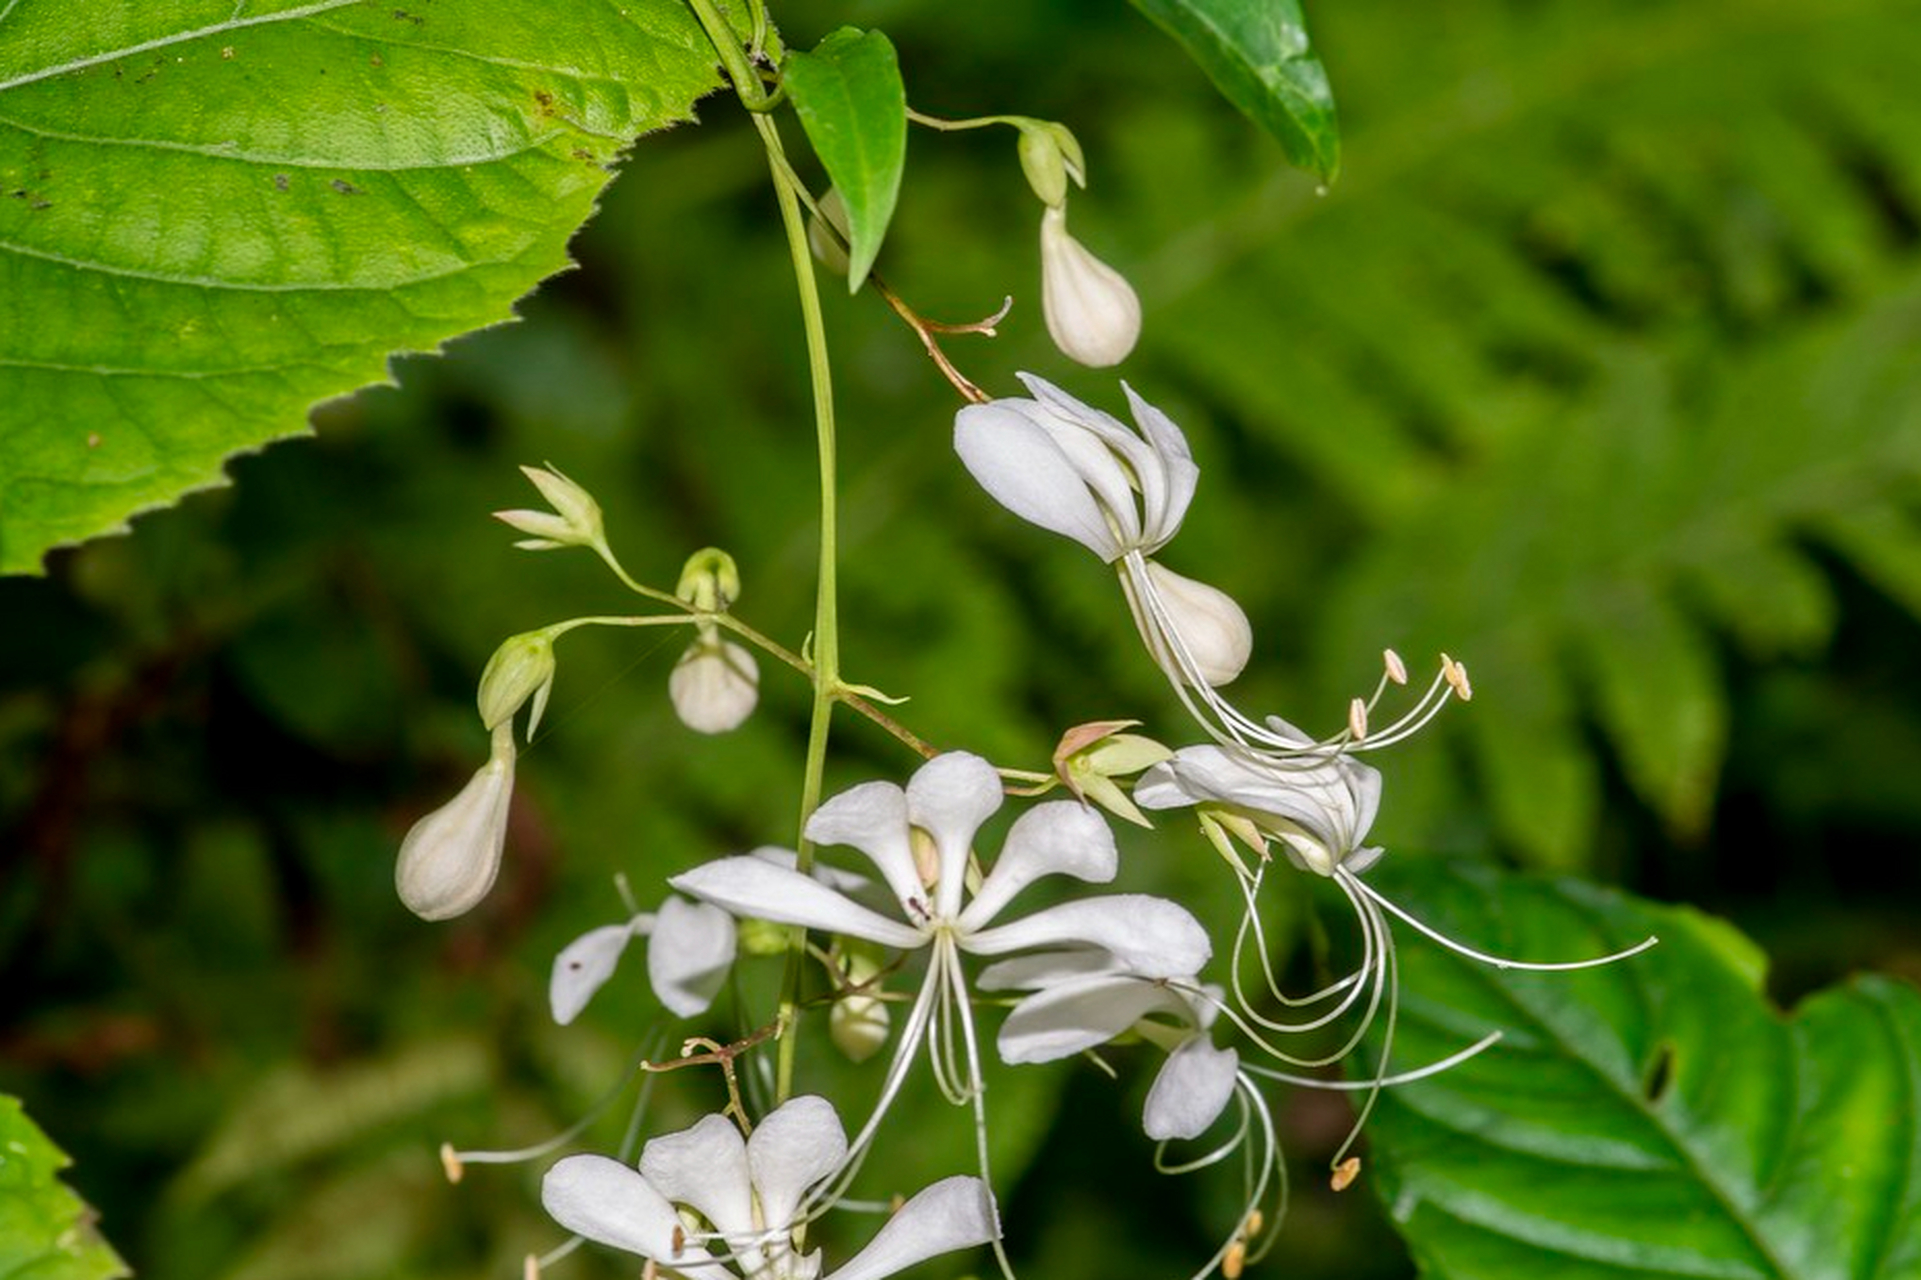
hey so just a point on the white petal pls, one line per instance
(949, 797)
(583, 967)
(1151, 936)
(608, 1202)
(449, 858)
(1044, 969)
(714, 686)
(954, 1213)
(872, 817)
(1111, 459)
(1190, 1092)
(799, 1144)
(688, 956)
(1021, 468)
(1073, 1016)
(704, 1166)
(832, 877)
(1164, 507)
(753, 888)
(1062, 837)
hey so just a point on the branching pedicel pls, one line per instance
(730, 1197)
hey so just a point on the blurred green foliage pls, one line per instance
(1594, 370)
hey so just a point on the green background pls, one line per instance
(1594, 369)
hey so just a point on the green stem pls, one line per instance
(826, 649)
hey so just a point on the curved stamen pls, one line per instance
(1448, 1063)
(1499, 962)
(1353, 982)
(976, 1089)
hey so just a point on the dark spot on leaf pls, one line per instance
(280, 182)
(18, 195)
(344, 188)
(93, 439)
(1660, 1074)
(376, 61)
(401, 15)
(546, 101)
(582, 153)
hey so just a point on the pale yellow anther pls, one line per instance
(651, 1271)
(679, 1241)
(926, 856)
(1357, 720)
(1396, 669)
(450, 1162)
(1255, 1221)
(1455, 674)
(1235, 1259)
(530, 1269)
(1345, 1173)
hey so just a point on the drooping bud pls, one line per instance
(714, 686)
(574, 521)
(521, 668)
(709, 581)
(859, 1022)
(1051, 158)
(1092, 312)
(1210, 626)
(828, 242)
(449, 858)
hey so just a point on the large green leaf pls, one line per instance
(215, 214)
(46, 1232)
(1657, 1117)
(850, 99)
(1258, 55)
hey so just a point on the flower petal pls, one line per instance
(1023, 469)
(1057, 838)
(583, 966)
(608, 1202)
(1190, 1092)
(872, 817)
(949, 797)
(755, 888)
(704, 1166)
(1165, 505)
(688, 956)
(954, 1213)
(799, 1144)
(1151, 936)
(1044, 969)
(1073, 1016)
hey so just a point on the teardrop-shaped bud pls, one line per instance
(449, 858)
(1092, 312)
(1213, 631)
(714, 686)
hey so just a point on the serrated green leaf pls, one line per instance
(1653, 1117)
(1258, 55)
(850, 99)
(46, 1231)
(214, 215)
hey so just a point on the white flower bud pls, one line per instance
(449, 858)
(1210, 626)
(1092, 312)
(522, 668)
(714, 686)
(574, 521)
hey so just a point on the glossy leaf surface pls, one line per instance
(1258, 55)
(1656, 1117)
(850, 99)
(213, 216)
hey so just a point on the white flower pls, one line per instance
(920, 839)
(714, 686)
(1318, 809)
(948, 799)
(1093, 314)
(1073, 470)
(1082, 1000)
(687, 959)
(449, 858)
(750, 1195)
